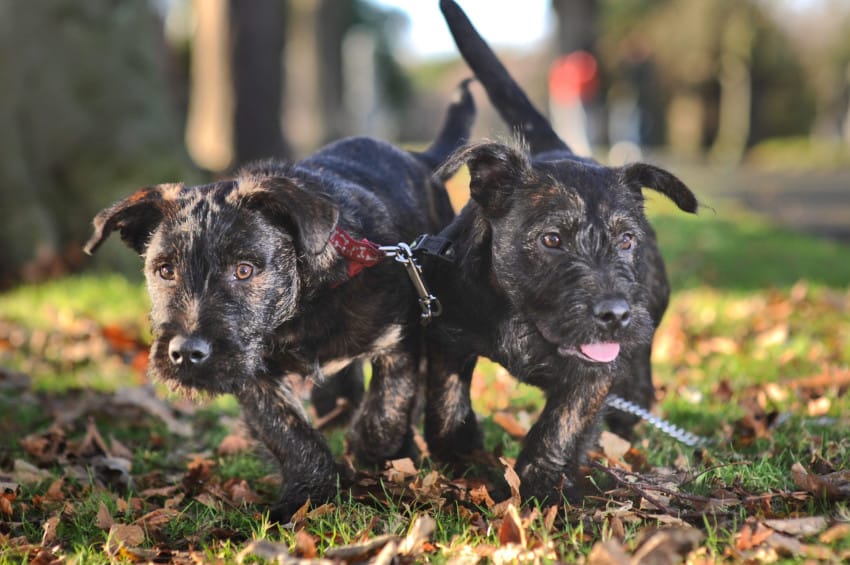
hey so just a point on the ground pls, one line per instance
(98, 465)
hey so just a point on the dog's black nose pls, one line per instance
(188, 350)
(612, 313)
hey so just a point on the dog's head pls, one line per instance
(570, 245)
(224, 265)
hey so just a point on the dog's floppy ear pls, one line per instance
(135, 217)
(311, 215)
(495, 170)
(641, 175)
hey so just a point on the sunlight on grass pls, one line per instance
(734, 250)
(107, 299)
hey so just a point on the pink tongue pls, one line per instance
(601, 352)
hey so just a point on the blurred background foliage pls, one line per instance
(101, 97)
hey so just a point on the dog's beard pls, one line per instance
(228, 370)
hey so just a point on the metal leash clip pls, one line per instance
(428, 303)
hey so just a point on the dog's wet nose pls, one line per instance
(612, 313)
(188, 350)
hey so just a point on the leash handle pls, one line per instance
(669, 428)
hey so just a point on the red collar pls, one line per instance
(359, 253)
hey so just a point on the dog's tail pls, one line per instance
(504, 93)
(457, 127)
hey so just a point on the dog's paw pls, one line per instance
(459, 445)
(318, 490)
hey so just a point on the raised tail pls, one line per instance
(457, 127)
(505, 94)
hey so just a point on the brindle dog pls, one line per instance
(557, 276)
(260, 276)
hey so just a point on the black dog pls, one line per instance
(556, 276)
(254, 278)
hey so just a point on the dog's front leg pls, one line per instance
(451, 428)
(307, 466)
(548, 465)
(382, 428)
(634, 383)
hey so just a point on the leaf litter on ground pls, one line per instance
(771, 369)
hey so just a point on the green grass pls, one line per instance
(106, 299)
(756, 311)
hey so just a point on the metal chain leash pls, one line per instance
(672, 430)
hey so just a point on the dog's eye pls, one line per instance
(627, 241)
(244, 271)
(167, 271)
(551, 240)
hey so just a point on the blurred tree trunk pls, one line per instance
(333, 20)
(315, 108)
(577, 25)
(734, 116)
(209, 123)
(304, 123)
(86, 118)
(578, 29)
(237, 83)
(257, 33)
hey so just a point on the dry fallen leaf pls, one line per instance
(50, 526)
(235, 443)
(608, 553)
(818, 406)
(320, 511)
(359, 551)
(387, 554)
(834, 486)
(512, 530)
(272, 551)
(156, 519)
(305, 545)
(8, 493)
(129, 535)
(46, 448)
(513, 481)
(481, 497)
(835, 533)
(6, 507)
(668, 545)
(508, 422)
(613, 446)
(300, 515)
(799, 526)
(54, 491)
(404, 466)
(752, 535)
(420, 531)
(103, 519)
(240, 492)
(785, 545)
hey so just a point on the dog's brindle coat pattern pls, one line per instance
(245, 289)
(557, 277)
